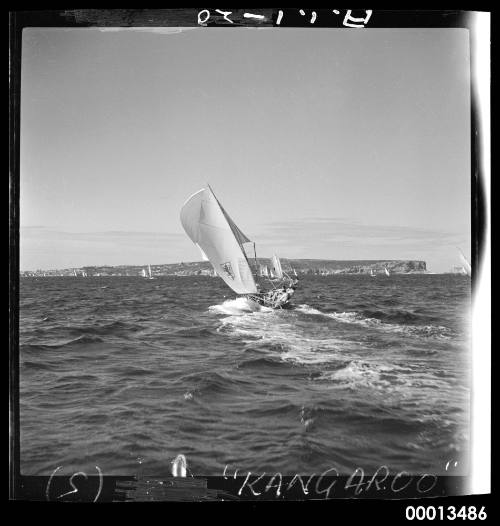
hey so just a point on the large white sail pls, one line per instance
(203, 255)
(209, 226)
(276, 263)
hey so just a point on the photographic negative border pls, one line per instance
(229, 486)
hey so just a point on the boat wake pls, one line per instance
(340, 362)
(341, 359)
(276, 330)
(426, 331)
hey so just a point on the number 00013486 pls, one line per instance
(430, 513)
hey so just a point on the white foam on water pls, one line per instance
(434, 331)
(360, 373)
(237, 307)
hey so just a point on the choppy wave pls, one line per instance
(81, 340)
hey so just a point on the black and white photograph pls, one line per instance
(251, 249)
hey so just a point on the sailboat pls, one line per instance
(277, 271)
(150, 275)
(466, 265)
(372, 273)
(386, 270)
(144, 274)
(221, 242)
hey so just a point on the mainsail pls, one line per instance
(209, 226)
(276, 265)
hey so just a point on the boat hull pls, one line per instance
(274, 299)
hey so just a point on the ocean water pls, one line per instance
(127, 373)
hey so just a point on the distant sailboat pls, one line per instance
(150, 275)
(263, 272)
(209, 226)
(372, 273)
(144, 274)
(386, 270)
(466, 265)
(276, 267)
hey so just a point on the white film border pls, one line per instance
(479, 480)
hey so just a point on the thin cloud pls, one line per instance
(339, 238)
(338, 229)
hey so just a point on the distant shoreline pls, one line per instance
(195, 268)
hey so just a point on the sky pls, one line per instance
(320, 143)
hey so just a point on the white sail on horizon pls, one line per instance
(209, 226)
(276, 265)
(466, 265)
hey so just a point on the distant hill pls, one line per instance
(354, 266)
